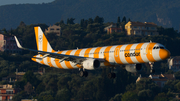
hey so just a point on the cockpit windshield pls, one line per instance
(158, 47)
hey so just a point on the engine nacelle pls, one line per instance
(91, 64)
(134, 68)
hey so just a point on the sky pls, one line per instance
(6, 2)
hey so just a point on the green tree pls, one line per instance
(117, 97)
(61, 22)
(40, 88)
(17, 97)
(99, 20)
(145, 95)
(28, 88)
(145, 84)
(46, 95)
(129, 96)
(118, 20)
(48, 98)
(161, 97)
(170, 86)
(70, 21)
(63, 95)
(90, 21)
(30, 77)
(177, 75)
(124, 19)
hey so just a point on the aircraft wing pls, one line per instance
(54, 55)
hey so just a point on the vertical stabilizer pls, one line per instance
(41, 41)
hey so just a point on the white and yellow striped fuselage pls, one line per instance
(112, 55)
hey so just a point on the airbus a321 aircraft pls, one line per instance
(130, 55)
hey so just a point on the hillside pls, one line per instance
(162, 12)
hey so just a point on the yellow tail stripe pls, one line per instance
(117, 54)
(77, 53)
(36, 34)
(57, 61)
(86, 54)
(96, 52)
(68, 64)
(138, 50)
(106, 56)
(149, 52)
(127, 51)
(45, 42)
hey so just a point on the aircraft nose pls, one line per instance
(164, 54)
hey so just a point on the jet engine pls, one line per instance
(91, 64)
(134, 68)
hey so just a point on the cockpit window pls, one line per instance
(158, 47)
(161, 47)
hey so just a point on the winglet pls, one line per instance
(18, 44)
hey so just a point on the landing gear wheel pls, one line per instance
(83, 73)
(111, 75)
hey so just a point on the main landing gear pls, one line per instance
(151, 65)
(83, 73)
(112, 75)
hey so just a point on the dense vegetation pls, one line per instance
(162, 12)
(66, 85)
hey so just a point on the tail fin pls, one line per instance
(41, 41)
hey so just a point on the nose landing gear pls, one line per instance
(151, 65)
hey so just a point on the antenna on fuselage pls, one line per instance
(150, 41)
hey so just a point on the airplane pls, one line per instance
(130, 55)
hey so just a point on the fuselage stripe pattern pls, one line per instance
(86, 54)
(68, 64)
(128, 54)
(57, 61)
(138, 51)
(149, 52)
(117, 54)
(106, 56)
(112, 55)
(77, 53)
(96, 52)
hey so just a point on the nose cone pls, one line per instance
(164, 54)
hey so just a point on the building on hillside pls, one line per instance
(9, 79)
(141, 29)
(160, 80)
(113, 29)
(7, 92)
(8, 44)
(174, 63)
(54, 29)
